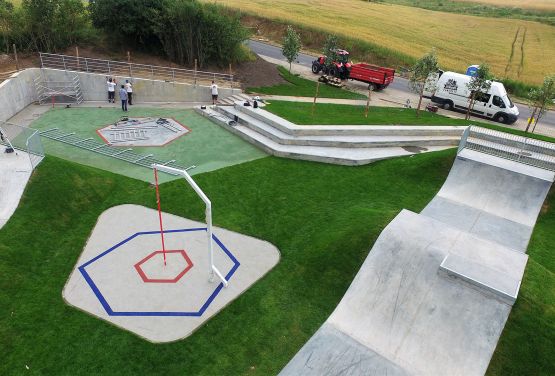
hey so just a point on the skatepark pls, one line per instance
(428, 291)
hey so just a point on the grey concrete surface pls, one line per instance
(122, 286)
(142, 132)
(94, 88)
(331, 352)
(491, 197)
(15, 170)
(17, 93)
(401, 308)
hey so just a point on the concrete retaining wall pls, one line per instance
(18, 92)
(94, 88)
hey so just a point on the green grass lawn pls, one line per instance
(301, 87)
(336, 114)
(323, 218)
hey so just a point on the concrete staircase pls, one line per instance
(344, 145)
(231, 100)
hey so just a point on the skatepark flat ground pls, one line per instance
(207, 146)
(112, 289)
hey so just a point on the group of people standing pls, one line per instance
(125, 93)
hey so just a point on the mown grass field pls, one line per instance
(516, 49)
(524, 4)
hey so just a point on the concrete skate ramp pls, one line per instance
(493, 198)
(433, 295)
(15, 171)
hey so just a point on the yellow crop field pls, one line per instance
(524, 4)
(517, 49)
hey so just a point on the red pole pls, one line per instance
(160, 214)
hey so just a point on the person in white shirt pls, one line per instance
(214, 89)
(111, 90)
(129, 90)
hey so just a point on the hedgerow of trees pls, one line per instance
(183, 30)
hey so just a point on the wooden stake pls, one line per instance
(16, 60)
(128, 57)
(77, 55)
(367, 104)
(231, 77)
(195, 72)
(315, 96)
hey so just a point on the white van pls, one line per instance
(452, 93)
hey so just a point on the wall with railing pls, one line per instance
(132, 70)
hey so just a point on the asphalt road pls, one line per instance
(399, 83)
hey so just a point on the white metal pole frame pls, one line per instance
(212, 268)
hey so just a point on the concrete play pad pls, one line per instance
(142, 131)
(120, 277)
(15, 170)
(435, 291)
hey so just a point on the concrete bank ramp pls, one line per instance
(15, 171)
(494, 198)
(435, 291)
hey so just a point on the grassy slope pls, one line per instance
(459, 39)
(301, 87)
(335, 114)
(274, 199)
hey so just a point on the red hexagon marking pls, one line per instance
(156, 259)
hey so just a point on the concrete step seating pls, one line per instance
(345, 145)
(231, 100)
(284, 136)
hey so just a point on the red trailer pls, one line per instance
(377, 77)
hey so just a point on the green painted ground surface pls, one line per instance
(208, 146)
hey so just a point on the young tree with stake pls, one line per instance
(420, 72)
(330, 50)
(479, 84)
(540, 99)
(291, 45)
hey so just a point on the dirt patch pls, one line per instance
(258, 73)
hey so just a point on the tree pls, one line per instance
(186, 30)
(291, 45)
(420, 72)
(540, 98)
(330, 50)
(6, 17)
(479, 85)
(134, 21)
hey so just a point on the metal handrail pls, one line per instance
(125, 69)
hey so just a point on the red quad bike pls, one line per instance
(339, 68)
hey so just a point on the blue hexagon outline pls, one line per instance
(199, 313)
